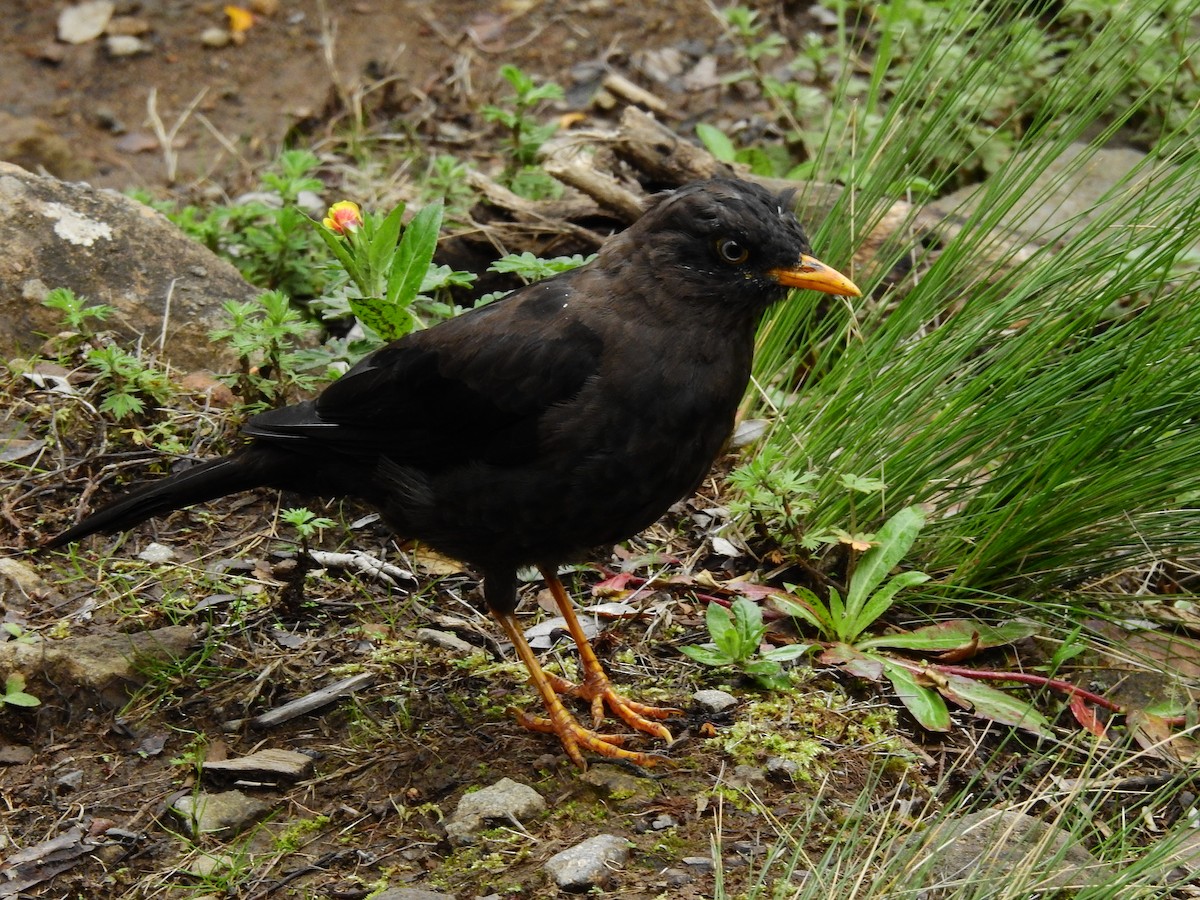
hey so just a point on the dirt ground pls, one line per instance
(230, 108)
(390, 764)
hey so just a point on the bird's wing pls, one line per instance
(472, 388)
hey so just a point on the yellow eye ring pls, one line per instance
(731, 251)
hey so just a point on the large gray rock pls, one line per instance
(107, 667)
(992, 847)
(113, 250)
(1072, 192)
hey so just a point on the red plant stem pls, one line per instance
(1056, 684)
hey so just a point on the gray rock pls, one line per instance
(157, 553)
(411, 894)
(717, 701)
(589, 864)
(270, 765)
(227, 813)
(991, 847)
(112, 250)
(84, 22)
(101, 665)
(119, 45)
(1063, 205)
(506, 800)
(21, 586)
(780, 767)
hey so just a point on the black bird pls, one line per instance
(568, 415)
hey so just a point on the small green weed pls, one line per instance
(127, 382)
(387, 262)
(871, 592)
(737, 635)
(525, 134)
(446, 180)
(922, 689)
(15, 694)
(264, 333)
(77, 313)
(306, 522)
(776, 497)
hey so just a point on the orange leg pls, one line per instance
(596, 689)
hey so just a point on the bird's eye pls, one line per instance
(731, 251)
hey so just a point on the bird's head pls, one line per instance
(729, 240)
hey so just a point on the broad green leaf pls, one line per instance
(337, 246)
(791, 651)
(837, 611)
(990, 703)
(747, 620)
(895, 539)
(14, 692)
(881, 600)
(716, 142)
(721, 629)
(706, 654)
(926, 704)
(805, 606)
(384, 241)
(761, 667)
(956, 634)
(414, 254)
(388, 320)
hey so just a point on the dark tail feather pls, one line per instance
(250, 468)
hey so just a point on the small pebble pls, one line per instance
(717, 701)
(157, 553)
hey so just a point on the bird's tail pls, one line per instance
(241, 471)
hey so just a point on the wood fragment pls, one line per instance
(311, 702)
(618, 84)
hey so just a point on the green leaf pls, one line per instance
(747, 620)
(388, 320)
(716, 142)
(706, 654)
(990, 703)
(895, 539)
(721, 629)
(926, 704)
(881, 600)
(762, 668)
(414, 254)
(790, 652)
(384, 240)
(807, 607)
(337, 246)
(957, 634)
(14, 692)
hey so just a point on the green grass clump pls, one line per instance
(1039, 402)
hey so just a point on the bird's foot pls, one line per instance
(575, 739)
(597, 690)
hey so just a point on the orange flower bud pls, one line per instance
(343, 217)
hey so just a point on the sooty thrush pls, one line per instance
(568, 415)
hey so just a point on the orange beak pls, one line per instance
(813, 275)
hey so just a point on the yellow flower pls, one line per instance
(240, 20)
(343, 217)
